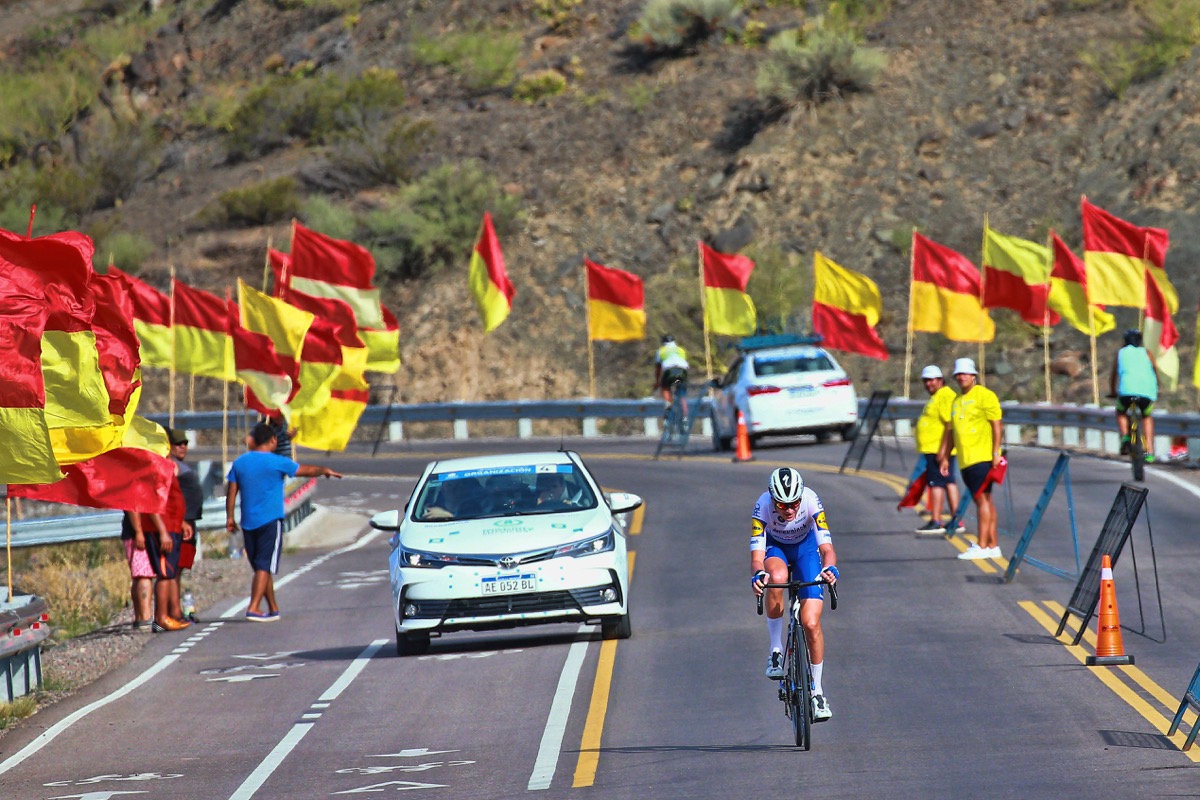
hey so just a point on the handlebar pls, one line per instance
(800, 585)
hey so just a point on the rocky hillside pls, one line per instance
(983, 109)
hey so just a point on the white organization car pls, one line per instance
(502, 541)
(783, 385)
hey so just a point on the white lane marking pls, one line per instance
(1175, 479)
(242, 605)
(560, 709)
(54, 730)
(268, 766)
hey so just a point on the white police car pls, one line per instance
(503, 541)
(783, 385)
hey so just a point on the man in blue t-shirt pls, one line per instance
(259, 476)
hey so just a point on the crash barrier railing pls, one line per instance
(1190, 698)
(24, 623)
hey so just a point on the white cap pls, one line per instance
(965, 366)
(931, 372)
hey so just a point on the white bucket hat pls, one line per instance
(931, 372)
(965, 366)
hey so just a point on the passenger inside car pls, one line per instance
(552, 492)
(456, 499)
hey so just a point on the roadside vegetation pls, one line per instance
(1163, 34)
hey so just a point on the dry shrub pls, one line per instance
(84, 583)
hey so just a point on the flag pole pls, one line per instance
(982, 288)
(267, 264)
(1092, 335)
(171, 372)
(29, 231)
(908, 342)
(8, 542)
(704, 313)
(225, 393)
(587, 314)
(1046, 319)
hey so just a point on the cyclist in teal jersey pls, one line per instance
(1133, 380)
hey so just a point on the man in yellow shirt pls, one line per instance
(931, 427)
(974, 430)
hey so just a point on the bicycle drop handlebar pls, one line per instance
(800, 585)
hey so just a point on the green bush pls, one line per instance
(312, 109)
(540, 84)
(433, 223)
(560, 16)
(379, 153)
(679, 24)
(17, 189)
(807, 68)
(484, 59)
(1167, 33)
(127, 250)
(260, 203)
(332, 219)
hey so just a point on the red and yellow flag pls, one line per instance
(285, 325)
(488, 279)
(27, 456)
(203, 344)
(846, 309)
(322, 266)
(616, 304)
(116, 341)
(151, 320)
(728, 309)
(1068, 292)
(1160, 335)
(1119, 255)
(946, 294)
(1016, 275)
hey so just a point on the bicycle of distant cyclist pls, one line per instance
(1137, 445)
(795, 687)
(675, 421)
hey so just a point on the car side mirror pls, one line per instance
(620, 502)
(386, 521)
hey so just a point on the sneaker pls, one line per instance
(169, 625)
(143, 626)
(932, 527)
(254, 616)
(1124, 445)
(775, 666)
(1149, 458)
(993, 552)
(960, 528)
(821, 709)
(974, 552)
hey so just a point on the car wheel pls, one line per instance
(823, 437)
(616, 628)
(720, 443)
(847, 432)
(411, 644)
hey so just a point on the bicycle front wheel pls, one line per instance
(1137, 451)
(799, 689)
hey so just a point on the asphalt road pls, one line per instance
(944, 681)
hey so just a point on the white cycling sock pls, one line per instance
(817, 669)
(775, 632)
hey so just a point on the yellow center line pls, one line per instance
(1109, 678)
(593, 728)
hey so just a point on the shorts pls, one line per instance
(139, 562)
(804, 559)
(165, 565)
(933, 472)
(187, 553)
(672, 374)
(263, 546)
(974, 476)
(1126, 400)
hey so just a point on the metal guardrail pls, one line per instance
(22, 629)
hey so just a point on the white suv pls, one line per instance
(783, 385)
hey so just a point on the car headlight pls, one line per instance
(416, 558)
(587, 547)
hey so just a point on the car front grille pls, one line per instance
(570, 600)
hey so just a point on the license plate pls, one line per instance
(802, 391)
(510, 584)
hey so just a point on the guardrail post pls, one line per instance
(1161, 446)
(524, 428)
(706, 427)
(396, 431)
(1092, 438)
(650, 427)
(1112, 442)
(1045, 436)
(589, 427)
(1012, 434)
(903, 428)
(460, 429)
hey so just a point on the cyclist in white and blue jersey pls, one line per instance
(788, 528)
(1133, 380)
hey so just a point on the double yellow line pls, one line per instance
(1128, 683)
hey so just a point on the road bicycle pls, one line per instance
(795, 688)
(677, 420)
(1137, 446)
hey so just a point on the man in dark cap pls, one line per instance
(193, 500)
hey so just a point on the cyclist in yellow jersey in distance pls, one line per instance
(670, 365)
(1133, 380)
(788, 528)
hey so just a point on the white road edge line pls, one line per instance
(54, 730)
(241, 605)
(1175, 479)
(269, 764)
(560, 709)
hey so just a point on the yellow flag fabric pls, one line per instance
(844, 289)
(73, 445)
(203, 352)
(1069, 299)
(33, 461)
(383, 349)
(285, 324)
(364, 302)
(493, 304)
(330, 427)
(76, 396)
(729, 312)
(609, 322)
(959, 317)
(155, 343)
(1114, 279)
(1166, 360)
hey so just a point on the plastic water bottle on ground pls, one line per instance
(188, 603)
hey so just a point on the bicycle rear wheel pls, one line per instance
(799, 688)
(1137, 452)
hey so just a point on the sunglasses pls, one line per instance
(787, 506)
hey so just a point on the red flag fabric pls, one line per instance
(116, 340)
(270, 380)
(323, 258)
(327, 310)
(725, 270)
(127, 478)
(914, 493)
(995, 475)
(149, 304)
(1106, 233)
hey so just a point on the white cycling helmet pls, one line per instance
(786, 485)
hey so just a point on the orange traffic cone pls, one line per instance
(743, 441)
(1110, 651)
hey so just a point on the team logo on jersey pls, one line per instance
(756, 527)
(821, 521)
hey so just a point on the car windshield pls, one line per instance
(784, 365)
(503, 491)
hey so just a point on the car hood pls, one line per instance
(500, 535)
